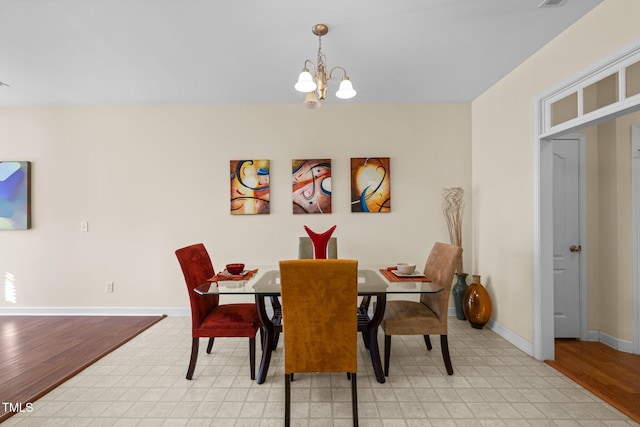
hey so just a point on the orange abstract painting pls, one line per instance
(249, 187)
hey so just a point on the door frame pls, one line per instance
(543, 134)
(635, 219)
(582, 218)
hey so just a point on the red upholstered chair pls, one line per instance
(209, 319)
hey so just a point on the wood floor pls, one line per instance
(38, 353)
(612, 375)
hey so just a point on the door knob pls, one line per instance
(574, 248)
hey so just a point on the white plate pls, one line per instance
(414, 274)
(226, 273)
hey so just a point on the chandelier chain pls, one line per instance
(321, 57)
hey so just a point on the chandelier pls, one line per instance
(315, 85)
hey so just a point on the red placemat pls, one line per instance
(386, 272)
(224, 276)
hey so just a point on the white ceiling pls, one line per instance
(95, 52)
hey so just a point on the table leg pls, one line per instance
(269, 330)
(372, 332)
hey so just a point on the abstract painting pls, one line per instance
(249, 187)
(370, 184)
(15, 189)
(311, 190)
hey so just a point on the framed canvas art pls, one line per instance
(15, 194)
(249, 187)
(370, 184)
(311, 189)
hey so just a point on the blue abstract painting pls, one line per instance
(15, 186)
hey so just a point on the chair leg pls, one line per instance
(276, 338)
(210, 345)
(252, 357)
(387, 354)
(444, 343)
(365, 340)
(427, 341)
(262, 338)
(195, 343)
(287, 400)
(354, 399)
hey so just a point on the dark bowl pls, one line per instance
(235, 268)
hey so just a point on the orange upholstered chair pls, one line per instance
(320, 247)
(320, 327)
(209, 319)
(429, 316)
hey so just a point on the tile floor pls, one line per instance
(143, 384)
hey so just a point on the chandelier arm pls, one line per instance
(337, 67)
(309, 62)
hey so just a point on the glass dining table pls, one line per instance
(264, 282)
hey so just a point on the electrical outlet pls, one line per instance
(109, 287)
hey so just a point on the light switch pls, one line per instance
(84, 226)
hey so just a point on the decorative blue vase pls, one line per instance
(458, 290)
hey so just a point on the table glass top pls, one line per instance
(267, 282)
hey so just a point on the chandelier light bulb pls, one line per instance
(305, 82)
(345, 90)
(311, 101)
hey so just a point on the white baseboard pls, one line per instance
(592, 336)
(512, 337)
(505, 333)
(94, 311)
(613, 342)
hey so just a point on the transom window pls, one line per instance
(603, 92)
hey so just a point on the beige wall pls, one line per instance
(152, 179)
(503, 155)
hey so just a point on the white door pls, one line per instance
(566, 238)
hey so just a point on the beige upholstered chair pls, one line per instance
(305, 248)
(320, 327)
(429, 316)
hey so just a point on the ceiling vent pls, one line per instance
(552, 3)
